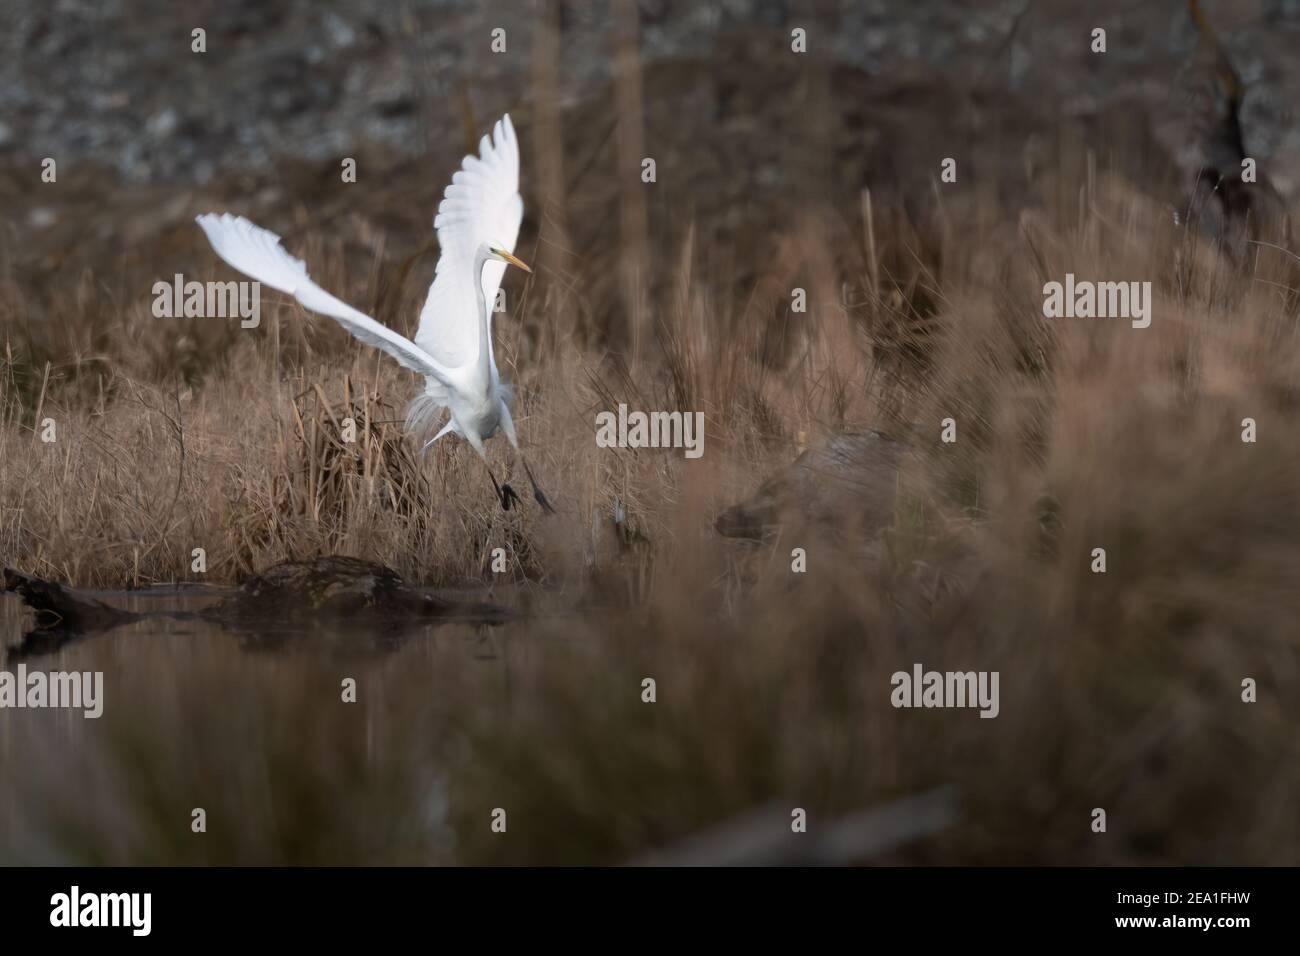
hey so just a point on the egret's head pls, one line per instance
(499, 253)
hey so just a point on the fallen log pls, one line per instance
(58, 609)
(293, 596)
(340, 589)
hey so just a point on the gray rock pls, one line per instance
(845, 485)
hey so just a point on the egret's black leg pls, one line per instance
(538, 495)
(506, 495)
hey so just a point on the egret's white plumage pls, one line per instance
(257, 253)
(477, 225)
(482, 204)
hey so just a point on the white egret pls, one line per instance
(477, 225)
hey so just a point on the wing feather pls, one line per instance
(482, 204)
(257, 253)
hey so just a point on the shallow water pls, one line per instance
(249, 726)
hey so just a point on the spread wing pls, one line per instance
(257, 253)
(482, 204)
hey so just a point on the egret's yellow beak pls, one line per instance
(514, 260)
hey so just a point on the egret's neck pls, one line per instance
(484, 330)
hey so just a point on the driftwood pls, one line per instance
(764, 838)
(58, 609)
(290, 597)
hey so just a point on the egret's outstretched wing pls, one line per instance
(482, 204)
(257, 253)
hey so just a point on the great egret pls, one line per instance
(477, 225)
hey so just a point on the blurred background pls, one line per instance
(751, 142)
(775, 171)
